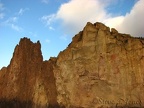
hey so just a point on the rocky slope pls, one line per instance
(99, 68)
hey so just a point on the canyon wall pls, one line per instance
(99, 68)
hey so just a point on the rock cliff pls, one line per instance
(28, 81)
(99, 68)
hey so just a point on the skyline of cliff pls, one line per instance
(99, 68)
(55, 22)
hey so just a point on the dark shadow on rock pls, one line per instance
(14, 103)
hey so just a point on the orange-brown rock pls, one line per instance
(28, 80)
(99, 68)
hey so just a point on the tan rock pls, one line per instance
(106, 70)
(114, 31)
(99, 68)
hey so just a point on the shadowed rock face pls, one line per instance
(99, 68)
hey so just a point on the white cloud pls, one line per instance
(76, 13)
(114, 22)
(133, 22)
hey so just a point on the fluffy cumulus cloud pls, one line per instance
(133, 22)
(76, 13)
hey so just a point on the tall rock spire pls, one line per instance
(27, 79)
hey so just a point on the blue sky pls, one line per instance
(55, 22)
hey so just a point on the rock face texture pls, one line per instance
(99, 68)
(28, 81)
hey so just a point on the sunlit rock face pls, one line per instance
(99, 68)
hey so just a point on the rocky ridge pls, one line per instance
(99, 68)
